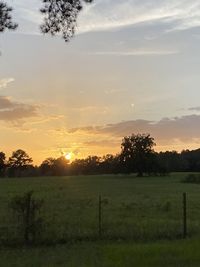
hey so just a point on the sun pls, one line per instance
(68, 156)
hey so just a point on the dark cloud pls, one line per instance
(182, 128)
(194, 109)
(14, 111)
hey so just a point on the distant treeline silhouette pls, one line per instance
(136, 156)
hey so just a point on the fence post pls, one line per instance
(100, 226)
(184, 215)
(27, 218)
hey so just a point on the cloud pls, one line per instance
(102, 143)
(136, 53)
(166, 130)
(194, 108)
(110, 15)
(27, 15)
(188, 16)
(15, 111)
(105, 15)
(88, 110)
(176, 133)
(46, 119)
(4, 82)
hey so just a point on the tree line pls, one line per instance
(137, 156)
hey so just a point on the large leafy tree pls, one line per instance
(51, 166)
(2, 163)
(19, 163)
(47, 166)
(19, 160)
(137, 151)
(60, 16)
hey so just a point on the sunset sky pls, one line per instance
(133, 67)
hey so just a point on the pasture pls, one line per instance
(184, 253)
(140, 216)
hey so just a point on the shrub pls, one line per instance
(192, 178)
(27, 210)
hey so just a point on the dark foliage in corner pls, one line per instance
(61, 16)
(6, 21)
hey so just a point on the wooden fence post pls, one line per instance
(100, 226)
(184, 215)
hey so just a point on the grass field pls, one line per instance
(141, 221)
(183, 253)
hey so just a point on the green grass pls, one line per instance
(107, 254)
(140, 209)
(141, 219)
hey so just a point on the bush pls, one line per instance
(192, 178)
(27, 210)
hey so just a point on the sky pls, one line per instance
(132, 67)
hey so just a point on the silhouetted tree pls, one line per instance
(172, 161)
(137, 150)
(78, 166)
(47, 167)
(137, 155)
(19, 162)
(54, 167)
(92, 164)
(190, 160)
(2, 164)
(61, 166)
(6, 18)
(110, 164)
(89, 165)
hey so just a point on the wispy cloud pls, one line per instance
(111, 14)
(106, 15)
(27, 14)
(188, 15)
(194, 108)
(4, 82)
(136, 53)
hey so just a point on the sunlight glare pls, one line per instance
(68, 156)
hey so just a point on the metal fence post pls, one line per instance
(100, 217)
(184, 215)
